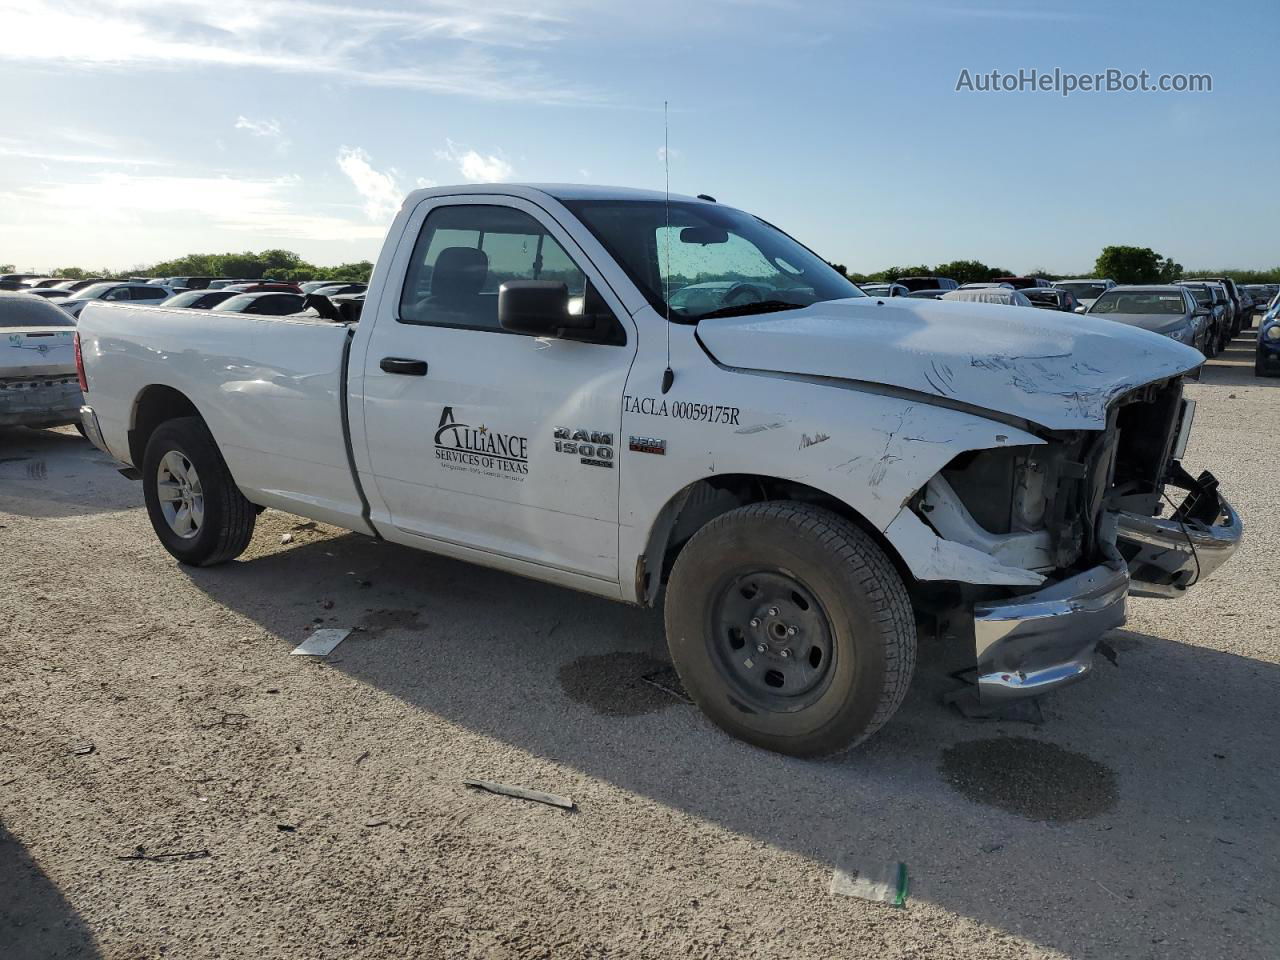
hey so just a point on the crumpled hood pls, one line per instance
(1055, 369)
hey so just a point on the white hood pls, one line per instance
(1055, 369)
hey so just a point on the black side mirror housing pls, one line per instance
(537, 307)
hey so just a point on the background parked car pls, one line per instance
(1170, 311)
(1213, 296)
(884, 289)
(1051, 298)
(258, 286)
(1022, 283)
(198, 299)
(311, 286)
(38, 385)
(110, 290)
(48, 293)
(1238, 320)
(75, 286)
(989, 293)
(336, 289)
(1267, 360)
(1085, 289)
(930, 294)
(268, 303)
(928, 283)
(987, 285)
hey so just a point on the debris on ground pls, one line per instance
(522, 793)
(84, 749)
(320, 643)
(668, 681)
(286, 827)
(286, 538)
(326, 604)
(879, 882)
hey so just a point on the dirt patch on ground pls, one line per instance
(1032, 778)
(615, 684)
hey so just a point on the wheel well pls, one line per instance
(701, 502)
(155, 405)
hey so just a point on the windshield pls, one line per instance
(1161, 304)
(711, 259)
(96, 291)
(1084, 291)
(235, 304)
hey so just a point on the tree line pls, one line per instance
(1123, 264)
(276, 264)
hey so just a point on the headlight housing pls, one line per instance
(1272, 332)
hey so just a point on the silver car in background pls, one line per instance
(1169, 310)
(139, 293)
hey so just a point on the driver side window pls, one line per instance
(465, 253)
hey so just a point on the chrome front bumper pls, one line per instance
(1168, 555)
(1037, 642)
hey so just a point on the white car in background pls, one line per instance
(141, 294)
(1086, 289)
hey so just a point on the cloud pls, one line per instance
(474, 166)
(109, 201)
(379, 191)
(482, 49)
(266, 129)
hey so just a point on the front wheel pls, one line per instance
(195, 507)
(790, 628)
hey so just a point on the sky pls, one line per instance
(139, 130)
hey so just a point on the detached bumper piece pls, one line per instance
(1040, 641)
(1166, 556)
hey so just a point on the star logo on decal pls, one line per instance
(483, 429)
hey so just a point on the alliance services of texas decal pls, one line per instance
(460, 446)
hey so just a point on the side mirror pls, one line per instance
(1080, 309)
(539, 307)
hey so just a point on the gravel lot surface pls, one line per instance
(173, 783)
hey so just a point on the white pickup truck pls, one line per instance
(645, 398)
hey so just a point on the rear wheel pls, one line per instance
(790, 628)
(195, 507)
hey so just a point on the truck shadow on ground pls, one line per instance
(36, 921)
(1146, 803)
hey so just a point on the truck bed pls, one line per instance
(270, 389)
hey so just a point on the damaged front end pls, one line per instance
(1083, 511)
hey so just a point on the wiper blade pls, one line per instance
(747, 309)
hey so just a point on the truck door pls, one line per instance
(485, 438)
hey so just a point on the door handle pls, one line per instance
(411, 368)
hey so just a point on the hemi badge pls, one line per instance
(648, 445)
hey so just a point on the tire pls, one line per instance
(847, 601)
(223, 525)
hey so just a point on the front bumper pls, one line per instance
(1040, 641)
(49, 401)
(1168, 555)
